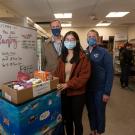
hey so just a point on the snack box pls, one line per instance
(20, 96)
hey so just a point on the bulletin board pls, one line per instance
(17, 51)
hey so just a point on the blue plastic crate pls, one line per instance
(34, 117)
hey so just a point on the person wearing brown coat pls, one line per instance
(73, 71)
(51, 50)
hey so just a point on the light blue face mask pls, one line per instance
(91, 41)
(70, 44)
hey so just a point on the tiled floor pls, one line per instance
(120, 114)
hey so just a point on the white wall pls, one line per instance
(131, 32)
(105, 32)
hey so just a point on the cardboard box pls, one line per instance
(35, 117)
(20, 96)
(41, 75)
(45, 87)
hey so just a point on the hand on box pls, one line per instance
(61, 86)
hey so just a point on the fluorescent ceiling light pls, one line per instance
(39, 28)
(63, 15)
(66, 24)
(29, 19)
(117, 14)
(103, 24)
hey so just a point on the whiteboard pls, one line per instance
(17, 51)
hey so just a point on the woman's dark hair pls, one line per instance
(76, 50)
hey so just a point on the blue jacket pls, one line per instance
(102, 70)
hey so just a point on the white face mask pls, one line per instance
(70, 44)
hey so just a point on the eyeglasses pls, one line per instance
(91, 36)
(72, 39)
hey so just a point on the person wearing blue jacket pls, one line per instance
(100, 83)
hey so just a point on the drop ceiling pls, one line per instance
(86, 13)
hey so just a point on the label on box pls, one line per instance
(7, 96)
(42, 88)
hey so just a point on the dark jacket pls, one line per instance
(125, 56)
(102, 71)
(79, 76)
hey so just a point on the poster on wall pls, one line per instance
(17, 51)
(120, 36)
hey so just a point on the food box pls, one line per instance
(20, 96)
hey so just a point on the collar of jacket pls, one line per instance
(53, 40)
(92, 47)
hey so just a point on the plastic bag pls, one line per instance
(23, 76)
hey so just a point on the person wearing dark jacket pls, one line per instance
(126, 57)
(100, 83)
(73, 71)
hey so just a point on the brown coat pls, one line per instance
(79, 76)
(49, 56)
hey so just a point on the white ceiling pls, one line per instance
(86, 13)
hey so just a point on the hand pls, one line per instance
(61, 86)
(105, 98)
